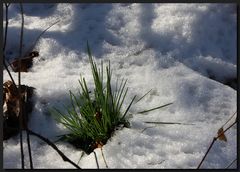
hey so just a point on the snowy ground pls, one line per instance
(169, 48)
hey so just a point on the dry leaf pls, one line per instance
(11, 107)
(221, 135)
(26, 62)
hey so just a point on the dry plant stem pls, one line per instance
(30, 49)
(229, 119)
(28, 137)
(231, 163)
(64, 157)
(96, 159)
(8, 64)
(6, 27)
(19, 89)
(213, 141)
(226, 129)
(104, 159)
(5, 42)
(5, 65)
(29, 150)
(23, 115)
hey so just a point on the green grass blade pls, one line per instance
(143, 96)
(128, 108)
(145, 111)
(154, 122)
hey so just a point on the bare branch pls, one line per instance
(54, 147)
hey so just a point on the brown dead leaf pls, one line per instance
(221, 135)
(26, 62)
(11, 107)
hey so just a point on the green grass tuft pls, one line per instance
(93, 116)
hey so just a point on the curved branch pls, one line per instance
(54, 147)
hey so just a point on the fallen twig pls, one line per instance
(54, 147)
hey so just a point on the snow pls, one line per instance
(169, 48)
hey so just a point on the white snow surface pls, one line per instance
(169, 48)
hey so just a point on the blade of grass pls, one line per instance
(82, 154)
(128, 108)
(143, 96)
(153, 122)
(149, 110)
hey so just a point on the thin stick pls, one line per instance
(29, 150)
(30, 49)
(28, 137)
(64, 157)
(104, 159)
(9, 64)
(6, 27)
(229, 119)
(19, 89)
(213, 141)
(96, 159)
(5, 65)
(219, 135)
(5, 42)
(231, 163)
(23, 115)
